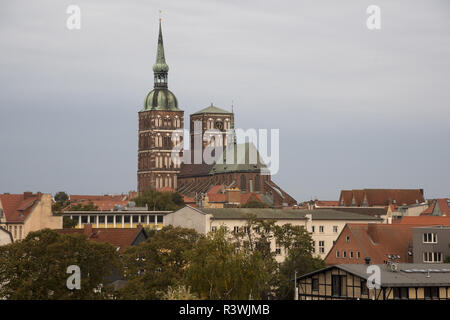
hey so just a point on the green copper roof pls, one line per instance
(212, 109)
(160, 99)
(242, 161)
(160, 64)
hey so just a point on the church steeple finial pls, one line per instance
(160, 68)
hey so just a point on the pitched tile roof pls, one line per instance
(118, 237)
(374, 240)
(424, 220)
(444, 206)
(18, 206)
(382, 197)
(326, 203)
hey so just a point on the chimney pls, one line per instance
(27, 194)
(233, 196)
(367, 260)
(372, 231)
(88, 229)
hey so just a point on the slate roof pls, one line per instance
(409, 274)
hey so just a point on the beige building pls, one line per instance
(324, 225)
(5, 237)
(21, 214)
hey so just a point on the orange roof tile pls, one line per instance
(118, 237)
(17, 206)
(424, 220)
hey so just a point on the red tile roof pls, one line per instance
(382, 197)
(429, 210)
(118, 197)
(444, 206)
(118, 237)
(18, 206)
(250, 196)
(424, 220)
(372, 240)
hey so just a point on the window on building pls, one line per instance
(432, 257)
(431, 292)
(315, 284)
(347, 239)
(313, 229)
(313, 247)
(321, 228)
(243, 183)
(337, 254)
(101, 219)
(118, 219)
(213, 229)
(338, 286)
(246, 229)
(358, 255)
(364, 288)
(236, 229)
(84, 219)
(321, 246)
(351, 254)
(344, 254)
(126, 219)
(20, 232)
(335, 229)
(430, 237)
(159, 219)
(278, 251)
(75, 218)
(152, 219)
(110, 219)
(401, 293)
(93, 219)
(135, 219)
(15, 232)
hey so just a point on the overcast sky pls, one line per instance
(356, 108)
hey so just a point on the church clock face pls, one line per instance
(219, 125)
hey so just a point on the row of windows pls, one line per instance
(350, 253)
(432, 257)
(322, 229)
(16, 229)
(321, 247)
(160, 122)
(430, 238)
(119, 218)
(218, 124)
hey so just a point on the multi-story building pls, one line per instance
(406, 281)
(373, 241)
(21, 214)
(324, 225)
(5, 237)
(159, 121)
(125, 217)
(431, 244)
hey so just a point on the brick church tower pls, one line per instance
(158, 120)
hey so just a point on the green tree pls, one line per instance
(69, 223)
(254, 204)
(160, 262)
(35, 268)
(90, 206)
(218, 270)
(61, 197)
(156, 200)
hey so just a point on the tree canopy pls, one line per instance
(156, 200)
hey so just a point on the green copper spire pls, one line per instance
(160, 98)
(160, 68)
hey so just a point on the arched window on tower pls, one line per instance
(243, 183)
